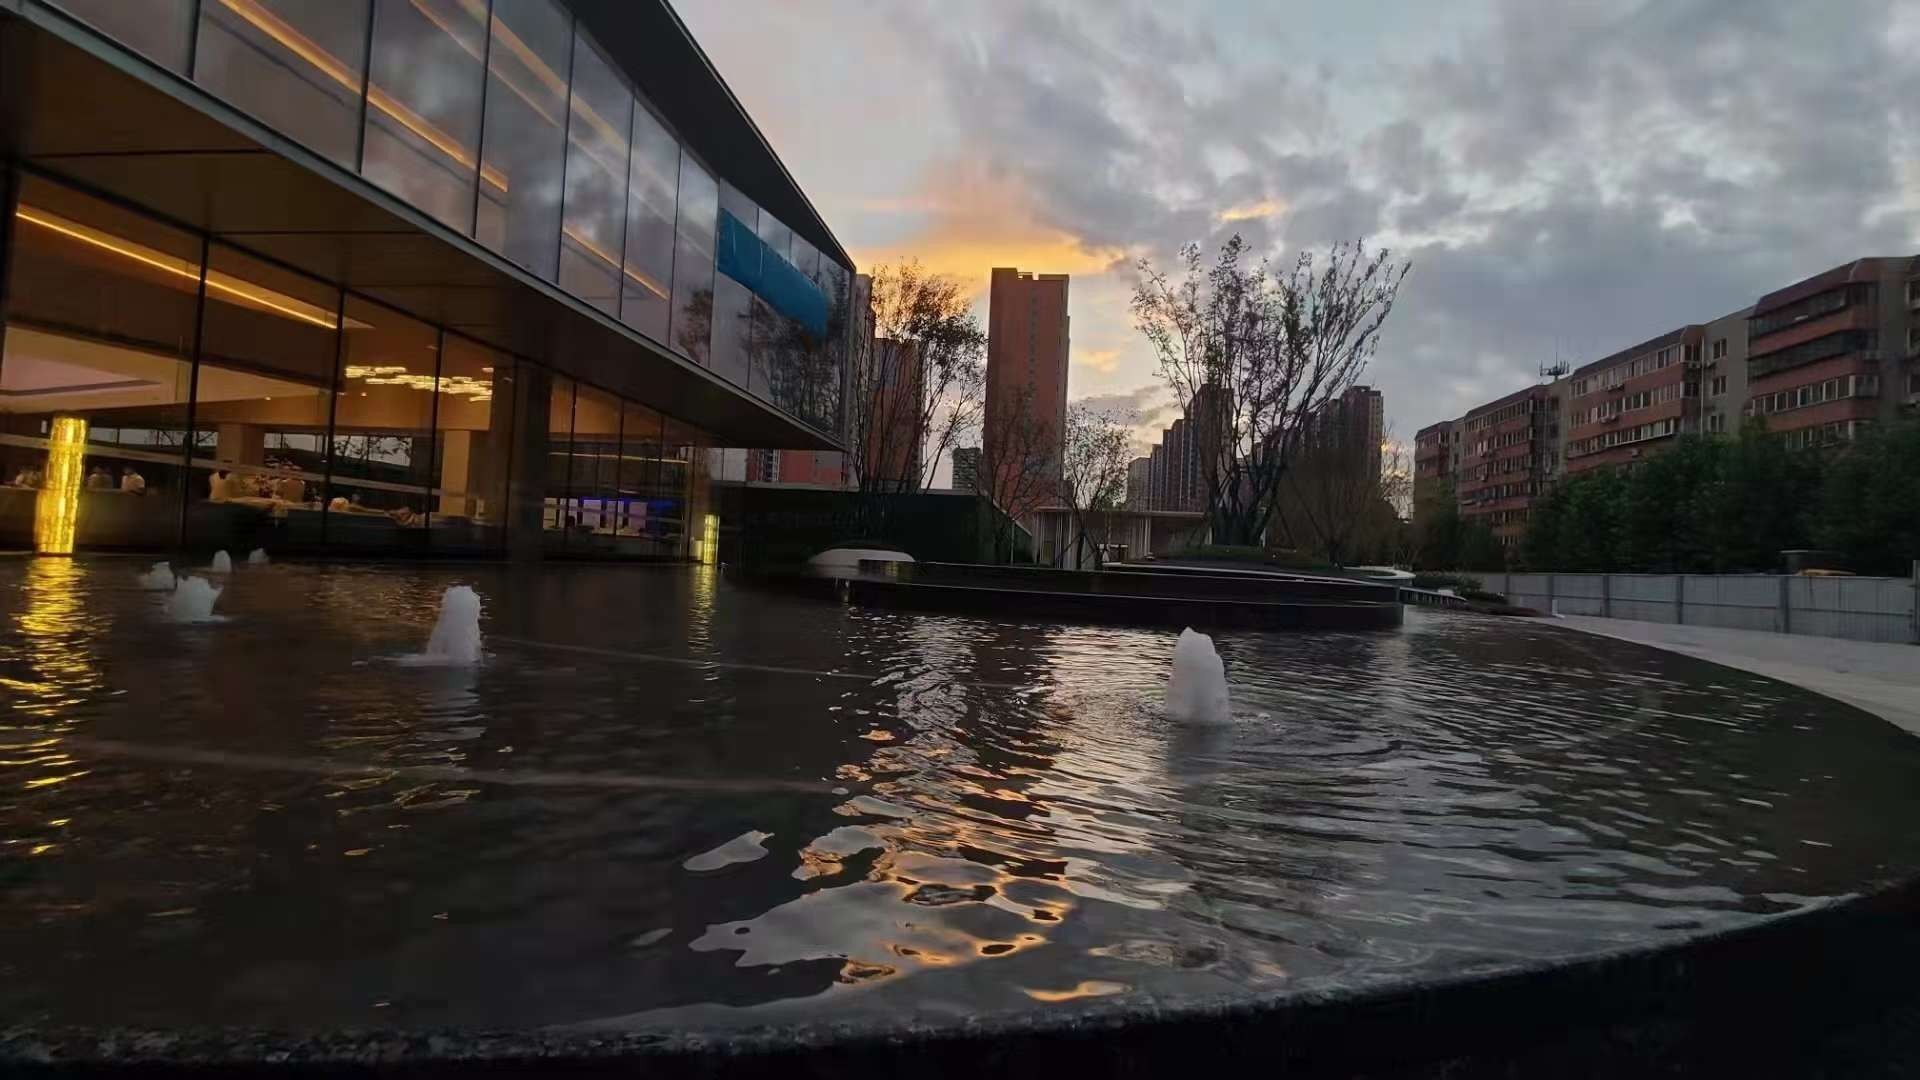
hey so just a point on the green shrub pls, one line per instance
(1481, 596)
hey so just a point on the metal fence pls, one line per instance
(1859, 608)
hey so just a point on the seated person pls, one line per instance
(406, 516)
(27, 477)
(132, 482)
(290, 489)
(220, 486)
(338, 504)
(99, 479)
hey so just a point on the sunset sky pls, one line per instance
(1567, 178)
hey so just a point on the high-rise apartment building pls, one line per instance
(966, 469)
(1027, 341)
(1827, 354)
(1634, 402)
(1355, 418)
(1436, 452)
(1723, 374)
(1508, 455)
(1139, 493)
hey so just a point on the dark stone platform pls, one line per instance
(1134, 596)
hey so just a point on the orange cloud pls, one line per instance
(1252, 211)
(1101, 360)
(976, 221)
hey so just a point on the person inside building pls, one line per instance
(132, 482)
(99, 479)
(219, 486)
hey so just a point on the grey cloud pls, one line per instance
(1579, 176)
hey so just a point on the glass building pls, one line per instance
(438, 276)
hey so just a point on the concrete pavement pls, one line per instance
(1882, 679)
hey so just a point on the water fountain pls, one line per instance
(222, 563)
(158, 579)
(1197, 687)
(192, 601)
(257, 557)
(455, 641)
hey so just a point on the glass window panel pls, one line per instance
(779, 238)
(160, 30)
(839, 287)
(596, 202)
(382, 463)
(101, 327)
(640, 524)
(692, 330)
(423, 104)
(733, 297)
(594, 470)
(297, 65)
(652, 186)
(558, 513)
(525, 142)
(260, 411)
(473, 439)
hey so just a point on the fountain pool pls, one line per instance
(667, 804)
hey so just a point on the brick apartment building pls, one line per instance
(1634, 402)
(1509, 452)
(1436, 454)
(1833, 352)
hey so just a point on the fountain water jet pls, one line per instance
(192, 601)
(1197, 687)
(222, 563)
(158, 579)
(257, 557)
(455, 641)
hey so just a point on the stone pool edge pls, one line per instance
(1713, 999)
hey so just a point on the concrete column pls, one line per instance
(1785, 617)
(521, 420)
(1680, 599)
(240, 444)
(456, 480)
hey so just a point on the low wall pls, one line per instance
(1856, 608)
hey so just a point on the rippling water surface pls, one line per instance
(669, 801)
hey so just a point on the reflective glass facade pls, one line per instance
(231, 402)
(504, 121)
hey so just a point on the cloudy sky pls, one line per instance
(1568, 177)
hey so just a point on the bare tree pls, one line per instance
(1251, 353)
(1017, 454)
(1093, 480)
(919, 389)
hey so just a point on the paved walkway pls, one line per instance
(1882, 679)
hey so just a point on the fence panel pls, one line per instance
(1863, 609)
(1648, 597)
(1734, 602)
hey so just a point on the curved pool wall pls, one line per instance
(712, 830)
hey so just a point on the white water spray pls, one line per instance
(158, 579)
(222, 563)
(192, 601)
(1197, 687)
(257, 557)
(456, 633)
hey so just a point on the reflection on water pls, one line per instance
(668, 802)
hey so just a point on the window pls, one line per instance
(600, 120)
(740, 254)
(423, 105)
(1801, 311)
(1718, 386)
(297, 65)
(265, 388)
(1719, 349)
(160, 30)
(651, 191)
(383, 457)
(472, 444)
(523, 163)
(699, 210)
(102, 324)
(557, 511)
